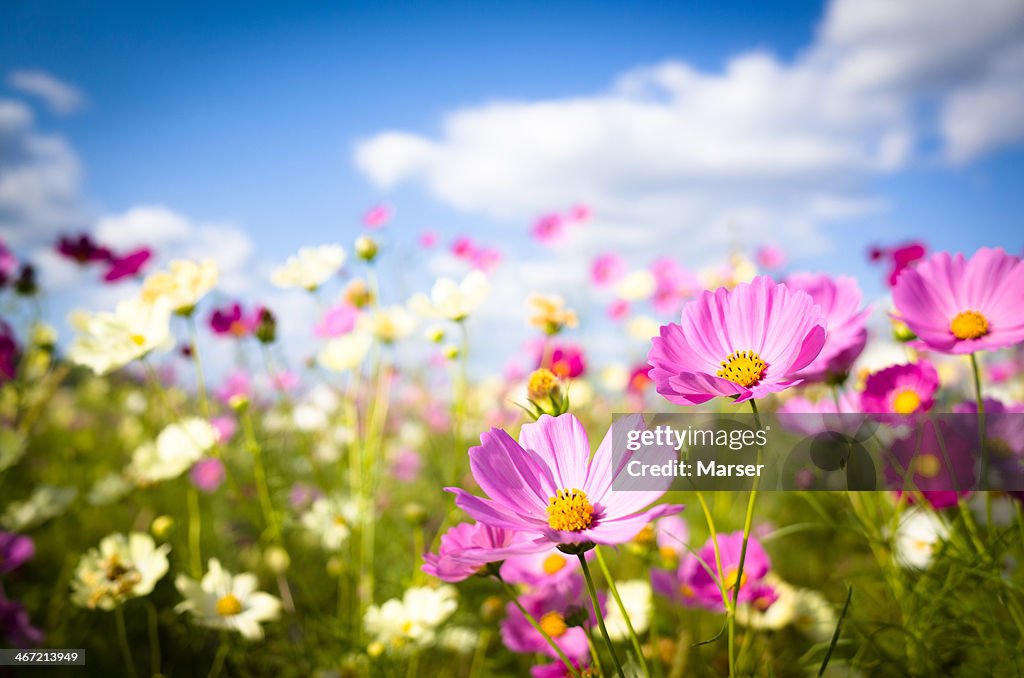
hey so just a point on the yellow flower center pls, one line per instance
(730, 579)
(645, 535)
(969, 325)
(553, 564)
(553, 624)
(906, 402)
(228, 606)
(542, 382)
(570, 511)
(743, 367)
(927, 465)
(686, 590)
(340, 521)
(137, 339)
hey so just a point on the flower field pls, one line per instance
(362, 514)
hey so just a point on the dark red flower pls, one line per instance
(128, 265)
(82, 249)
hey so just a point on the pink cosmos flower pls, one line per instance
(840, 301)
(127, 265)
(903, 257)
(556, 670)
(237, 384)
(8, 264)
(225, 427)
(639, 379)
(705, 588)
(958, 305)
(464, 248)
(406, 465)
(547, 486)
(770, 257)
(467, 547)
(746, 342)
(82, 249)
(336, 321)
(232, 321)
(15, 549)
(901, 389)
(207, 474)
(428, 239)
(579, 213)
(673, 285)
(939, 463)
(285, 381)
(9, 352)
(565, 359)
(377, 216)
(548, 229)
(549, 606)
(486, 259)
(607, 269)
(618, 310)
(16, 628)
(672, 534)
(542, 568)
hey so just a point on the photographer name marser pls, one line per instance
(693, 469)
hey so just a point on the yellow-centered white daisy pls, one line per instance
(310, 268)
(451, 300)
(225, 601)
(120, 568)
(107, 341)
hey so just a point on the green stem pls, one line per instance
(122, 638)
(194, 533)
(537, 627)
(747, 522)
(981, 439)
(154, 639)
(597, 613)
(204, 402)
(634, 638)
(220, 658)
(260, 474)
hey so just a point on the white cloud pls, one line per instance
(40, 178)
(772, 149)
(175, 236)
(60, 96)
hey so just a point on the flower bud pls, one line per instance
(277, 559)
(266, 328)
(162, 526)
(366, 248)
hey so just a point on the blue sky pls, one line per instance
(861, 125)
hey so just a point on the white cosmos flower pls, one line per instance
(182, 285)
(388, 324)
(638, 600)
(331, 519)
(636, 286)
(107, 341)
(223, 601)
(918, 535)
(451, 300)
(806, 610)
(122, 567)
(172, 453)
(45, 502)
(310, 268)
(413, 620)
(346, 352)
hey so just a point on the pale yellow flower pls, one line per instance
(548, 313)
(310, 268)
(182, 285)
(107, 341)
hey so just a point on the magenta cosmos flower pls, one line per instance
(704, 589)
(901, 389)
(745, 343)
(127, 265)
(840, 301)
(467, 547)
(607, 269)
(547, 486)
(958, 305)
(550, 606)
(15, 549)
